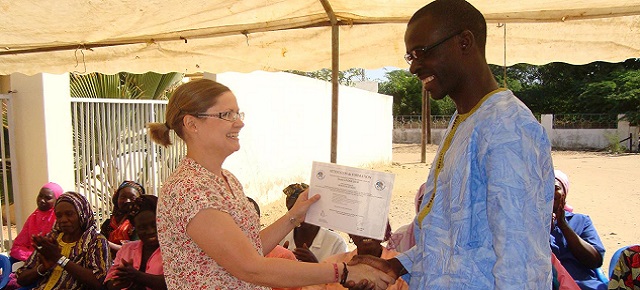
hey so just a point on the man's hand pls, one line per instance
(304, 254)
(378, 263)
(368, 277)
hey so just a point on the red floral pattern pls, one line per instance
(189, 189)
(626, 274)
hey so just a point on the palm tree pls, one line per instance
(150, 86)
(109, 137)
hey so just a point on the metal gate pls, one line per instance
(110, 145)
(7, 215)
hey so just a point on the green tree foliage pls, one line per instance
(554, 88)
(348, 77)
(406, 91)
(598, 87)
(124, 85)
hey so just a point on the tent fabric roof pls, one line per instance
(190, 36)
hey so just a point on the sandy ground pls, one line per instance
(602, 185)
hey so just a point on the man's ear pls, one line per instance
(466, 41)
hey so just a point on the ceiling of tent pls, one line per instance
(244, 35)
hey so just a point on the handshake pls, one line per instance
(369, 272)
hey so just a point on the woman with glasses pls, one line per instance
(209, 232)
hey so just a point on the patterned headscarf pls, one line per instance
(57, 189)
(127, 183)
(85, 214)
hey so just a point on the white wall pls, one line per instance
(42, 125)
(560, 138)
(582, 138)
(288, 125)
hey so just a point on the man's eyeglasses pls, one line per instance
(420, 52)
(230, 116)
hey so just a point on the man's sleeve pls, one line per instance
(519, 176)
(406, 259)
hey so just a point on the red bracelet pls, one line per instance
(336, 275)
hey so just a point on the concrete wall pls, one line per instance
(575, 139)
(288, 125)
(413, 135)
(41, 113)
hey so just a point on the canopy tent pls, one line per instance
(190, 36)
(244, 35)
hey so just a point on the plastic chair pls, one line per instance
(614, 259)
(5, 264)
(601, 276)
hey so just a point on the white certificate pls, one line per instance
(354, 200)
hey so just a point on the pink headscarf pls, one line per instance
(564, 180)
(57, 189)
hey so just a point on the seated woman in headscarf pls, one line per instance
(74, 255)
(574, 239)
(138, 264)
(118, 228)
(40, 222)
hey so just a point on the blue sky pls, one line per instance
(379, 74)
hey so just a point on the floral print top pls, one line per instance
(190, 189)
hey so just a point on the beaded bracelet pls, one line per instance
(345, 274)
(336, 274)
(41, 274)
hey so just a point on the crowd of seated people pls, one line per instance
(62, 248)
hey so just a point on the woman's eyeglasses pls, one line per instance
(230, 116)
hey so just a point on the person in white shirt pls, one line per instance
(310, 243)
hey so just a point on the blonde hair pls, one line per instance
(188, 99)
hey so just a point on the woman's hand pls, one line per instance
(559, 216)
(126, 271)
(48, 248)
(300, 208)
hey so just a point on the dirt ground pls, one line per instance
(602, 186)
